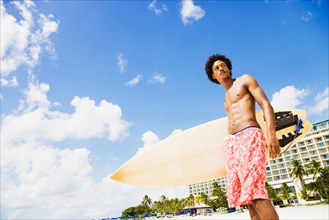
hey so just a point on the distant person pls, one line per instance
(246, 147)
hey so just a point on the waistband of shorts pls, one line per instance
(237, 132)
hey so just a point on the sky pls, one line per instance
(85, 85)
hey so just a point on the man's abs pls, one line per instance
(240, 107)
(241, 115)
(241, 126)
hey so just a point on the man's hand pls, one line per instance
(272, 146)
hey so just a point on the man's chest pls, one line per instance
(235, 94)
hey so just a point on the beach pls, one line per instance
(316, 212)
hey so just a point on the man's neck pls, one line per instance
(228, 83)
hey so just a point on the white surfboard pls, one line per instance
(198, 154)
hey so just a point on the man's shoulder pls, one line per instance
(245, 77)
(247, 80)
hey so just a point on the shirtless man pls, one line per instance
(246, 146)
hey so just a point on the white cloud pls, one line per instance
(158, 78)
(176, 131)
(42, 181)
(288, 97)
(22, 41)
(190, 12)
(157, 10)
(38, 179)
(34, 119)
(122, 63)
(307, 16)
(35, 96)
(9, 83)
(321, 102)
(149, 138)
(35, 175)
(134, 81)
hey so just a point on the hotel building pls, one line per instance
(314, 146)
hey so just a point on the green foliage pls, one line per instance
(219, 198)
(272, 193)
(285, 205)
(140, 210)
(204, 197)
(304, 194)
(189, 201)
(147, 201)
(314, 168)
(298, 171)
(286, 193)
(322, 183)
(131, 211)
(319, 188)
(164, 205)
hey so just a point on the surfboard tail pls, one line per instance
(291, 126)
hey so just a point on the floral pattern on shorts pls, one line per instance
(245, 167)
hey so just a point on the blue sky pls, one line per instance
(87, 84)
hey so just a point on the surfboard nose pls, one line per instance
(117, 176)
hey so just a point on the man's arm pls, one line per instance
(272, 143)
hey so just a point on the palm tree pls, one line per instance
(205, 198)
(314, 168)
(163, 198)
(220, 198)
(189, 201)
(147, 201)
(176, 205)
(157, 207)
(271, 193)
(323, 178)
(162, 205)
(286, 192)
(304, 194)
(298, 172)
(145, 206)
(198, 200)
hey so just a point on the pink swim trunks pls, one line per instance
(245, 166)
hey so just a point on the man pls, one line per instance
(246, 147)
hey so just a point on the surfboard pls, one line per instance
(198, 154)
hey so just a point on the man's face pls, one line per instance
(220, 70)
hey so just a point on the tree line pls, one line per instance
(165, 205)
(318, 189)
